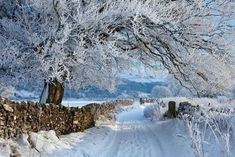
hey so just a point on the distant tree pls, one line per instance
(6, 91)
(84, 42)
(161, 92)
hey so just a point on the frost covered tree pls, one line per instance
(161, 92)
(192, 40)
(44, 40)
(84, 42)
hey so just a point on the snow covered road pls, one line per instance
(135, 136)
(135, 140)
(132, 136)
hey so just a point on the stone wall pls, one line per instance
(17, 118)
(148, 100)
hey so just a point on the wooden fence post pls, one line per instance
(172, 109)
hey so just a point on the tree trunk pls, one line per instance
(53, 92)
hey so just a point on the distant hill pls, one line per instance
(126, 89)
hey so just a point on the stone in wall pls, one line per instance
(187, 108)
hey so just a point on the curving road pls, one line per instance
(133, 136)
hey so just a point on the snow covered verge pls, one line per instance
(210, 123)
(47, 144)
(156, 108)
(30, 144)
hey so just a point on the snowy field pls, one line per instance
(79, 102)
(133, 135)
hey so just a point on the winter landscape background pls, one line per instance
(123, 78)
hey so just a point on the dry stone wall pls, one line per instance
(148, 100)
(17, 118)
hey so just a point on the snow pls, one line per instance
(140, 131)
(161, 91)
(24, 94)
(79, 102)
(131, 115)
(4, 149)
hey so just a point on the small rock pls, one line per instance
(8, 108)
(2, 123)
(75, 122)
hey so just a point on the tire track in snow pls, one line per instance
(135, 139)
(110, 138)
(127, 140)
(126, 143)
(113, 147)
(137, 143)
(143, 141)
(155, 142)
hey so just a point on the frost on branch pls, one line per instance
(83, 42)
(209, 127)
